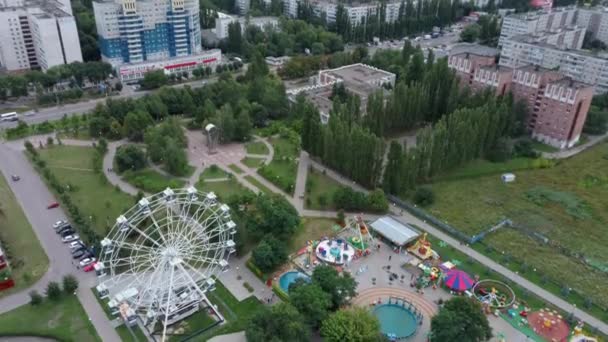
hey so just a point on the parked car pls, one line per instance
(76, 244)
(87, 261)
(70, 238)
(53, 205)
(80, 248)
(63, 228)
(15, 178)
(67, 232)
(89, 267)
(59, 224)
(78, 253)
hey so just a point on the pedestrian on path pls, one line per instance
(390, 257)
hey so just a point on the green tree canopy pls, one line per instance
(280, 323)
(460, 319)
(356, 324)
(311, 301)
(339, 287)
(130, 157)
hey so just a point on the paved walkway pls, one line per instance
(593, 140)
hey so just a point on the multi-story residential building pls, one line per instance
(135, 31)
(223, 20)
(557, 104)
(583, 66)
(356, 11)
(537, 22)
(37, 34)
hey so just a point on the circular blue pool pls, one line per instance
(396, 320)
(288, 278)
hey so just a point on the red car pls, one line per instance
(53, 205)
(89, 267)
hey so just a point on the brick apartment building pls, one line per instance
(557, 105)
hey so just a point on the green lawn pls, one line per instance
(198, 321)
(263, 188)
(283, 168)
(237, 313)
(567, 204)
(284, 147)
(253, 163)
(542, 147)
(26, 257)
(256, 147)
(214, 172)
(312, 228)
(223, 189)
(96, 198)
(319, 190)
(150, 180)
(82, 134)
(126, 336)
(482, 167)
(236, 169)
(64, 320)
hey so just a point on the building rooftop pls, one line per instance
(474, 49)
(50, 8)
(359, 78)
(570, 83)
(496, 67)
(394, 230)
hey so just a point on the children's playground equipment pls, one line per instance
(358, 234)
(430, 276)
(494, 294)
(422, 249)
(578, 336)
(335, 251)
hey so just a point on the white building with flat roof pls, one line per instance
(37, 34)
(356, 11)
(224, 20)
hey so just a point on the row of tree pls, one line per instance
(464, 135)
(56, 78)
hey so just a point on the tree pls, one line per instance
(269, 254)
(176, 161)
(243, 126)
(53, 290)
(275, 216)
(376, 201)
(470, 33)
(154, 79)
(136, 123)
(235, 38)
(392, 180)
(257, 67)
(357, 324)
(415, 71)
(282, 322)
(35, 297)
(70, 284)
(130, 157)
(597, 121)
(312, 302)
(424, 196)
(339, 287)
(460, 319)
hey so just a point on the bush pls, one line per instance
(248, 287)
(524, 148)
(130, 157)
(269, 254)
(424, 196)
(253, 268)
(35, 297)
(53, 290)
(70, 284)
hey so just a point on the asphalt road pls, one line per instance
(33, 196)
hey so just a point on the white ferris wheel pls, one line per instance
(158, 260)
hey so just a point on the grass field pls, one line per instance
(319, 190)
(26, 256)
(283, 168)
(542, 147)
(64, 320)
(126, 336)
(237, 313)
(312, 228)
(95, 197)
(253, 163)
(482, 167)
(199, 321)
(236, 169)
(223, 189)
(150, 180)
(214, 172)
(263, 188)
(567, 204)
(256, 147)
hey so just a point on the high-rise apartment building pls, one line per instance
(134, 31)
(356, 11)
(557, 104)
(37, 34)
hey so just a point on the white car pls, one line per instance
(87, 261)
(70, 238)
(59, 223)
(76, 244)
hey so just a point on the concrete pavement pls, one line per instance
(593, 140)
(34, 196)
